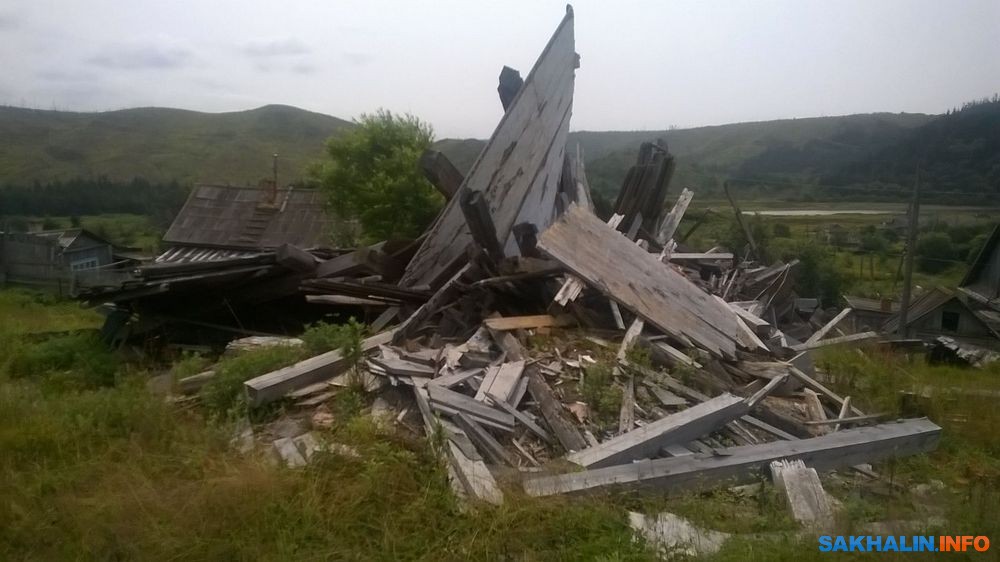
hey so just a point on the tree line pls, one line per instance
(93, 196)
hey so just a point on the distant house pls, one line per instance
(221, 221)
(52, 258)
(982, 281)
(941, 312)
(869, 314)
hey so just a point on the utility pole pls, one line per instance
(911, 249)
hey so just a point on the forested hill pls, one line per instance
(958, 152)
(785, 153)
(160, 145)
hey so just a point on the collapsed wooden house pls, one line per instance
(723, 390)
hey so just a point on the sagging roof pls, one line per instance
(221, 216)
(66, 237)
(923, 305)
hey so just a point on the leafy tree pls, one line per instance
(372, 175)
(736, 239)
(817, 274)
(935, 251)
(781, 230)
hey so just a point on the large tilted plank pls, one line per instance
(519, 167)
(654, 291)
(743, 464)
(679, 428)
(274, 385)
(504, 383)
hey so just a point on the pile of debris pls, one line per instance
(490, 323)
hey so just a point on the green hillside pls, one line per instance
(160, 144)
(789, 150)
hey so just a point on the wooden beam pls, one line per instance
(818, 387)
(521, 417)
(744, 463)
(450, 402)
(863, 336)
(439, 170)
(696, 256)
(851, 419)
(673, 219)
(295, 258)
(829, 326)
(803, 493)
(485, 442)
(844, 409)
(274, 385)
(566, 433)
(646, 441)
(526, 322)
(480, 223)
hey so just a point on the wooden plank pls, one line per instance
(677, 428)
(846, 419)
(631, 335)
(522, 418)
(628, 274)
(803, 493)
(573, 285)
(451, 400)
(744, 463)
(821, 333)
(507, 380)
(814, 410)
(476, 211)
(407, 327)
(768, 389)
(673, 219)
(672, 354)
(626, 415)
(818, 387)
(439, 170)
(526, 322)
(402, 368)
(488, 378)
(485, 442)
(698, 256)
(274, 385)
(565, 432)
(520, 167)
(456, 377)
(863, 336)
(474, 475)
(845, 407)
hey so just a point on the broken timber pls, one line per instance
(742, 464)
(675, 429)
(635, 278)
(803, 492)
(863, 336)
(274, 385)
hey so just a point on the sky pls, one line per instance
(644, 65)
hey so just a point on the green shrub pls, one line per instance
(224, 394)
(83, 356)
(322, 337)
(601, 393)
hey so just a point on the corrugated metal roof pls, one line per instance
(183, 254)
(221, 216)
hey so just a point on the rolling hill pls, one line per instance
(160, 145)
(852, 156)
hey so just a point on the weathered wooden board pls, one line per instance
(566, 433)
(526, 322)
(829, 326)
(675, 429)
(519, 169)
(745, 463)
(657, 293)
(673, 219)
(450, 401)
(274, 385)
(863, 336)
(804, 493)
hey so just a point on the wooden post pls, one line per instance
(440, 171)
(477, 216)
(739, 219)
(911, 249)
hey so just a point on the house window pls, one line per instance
(90, 263)
(949, 320)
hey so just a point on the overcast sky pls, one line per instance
(644, 65)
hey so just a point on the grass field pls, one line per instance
(95, 466)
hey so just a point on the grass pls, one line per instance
(97, 472)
